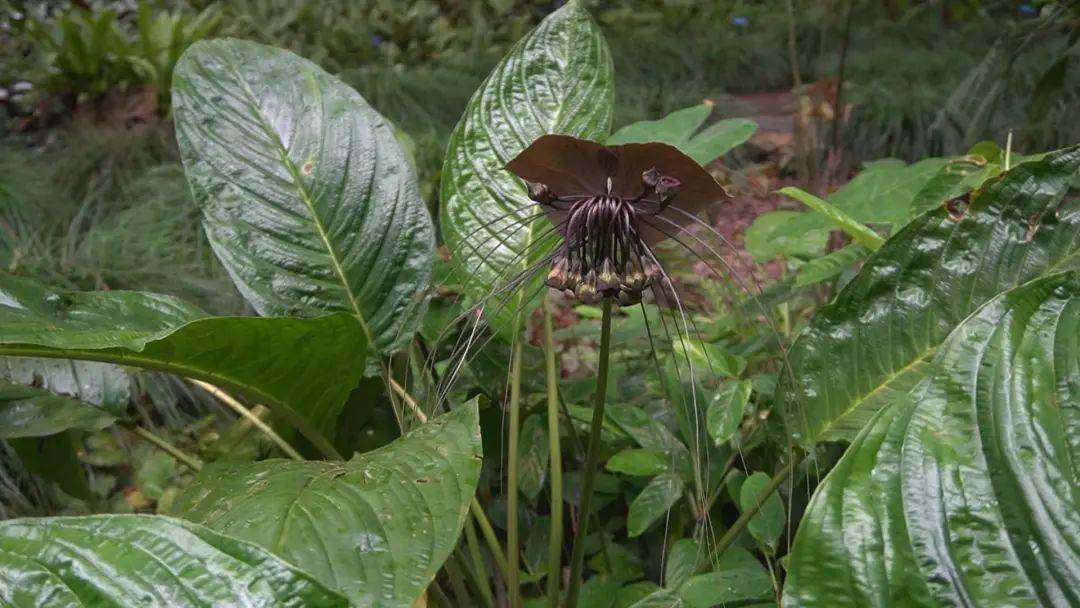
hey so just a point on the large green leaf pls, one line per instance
(306, 196)
(139, 560)
(680, 129)
(40, 397)
(377, 527)
(965, 491)
(875, 340)
(304, 368)
(557, 79)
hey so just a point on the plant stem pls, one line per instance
(740, 524)
(437, 596)
(512, 542)
(255, 421)
(489, 537)
(793, 53)
(478, 570)
(577, 559)
(407, 398)
(838, 115)
(184, 458)
(457, 581)
(555, 539)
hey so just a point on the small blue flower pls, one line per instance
(740, 21)
(376, 41)
(1028, 10)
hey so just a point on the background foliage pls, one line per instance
(885, 308)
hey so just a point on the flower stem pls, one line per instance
(577, 559)
(184, 458)
(489, 536)
(512, 543)
(250, 416)
(740, 524)
(479, 568)
(555, 540)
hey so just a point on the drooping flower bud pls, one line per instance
(586, 291)
(607, 279)
(653, 273)
(541, 193)
(628, 297)
(557, 277)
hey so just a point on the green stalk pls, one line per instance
(556, 537)
(182, 457)
(489, 537)
(577, 559)
(740, 524)
(512, 543)
(477, 571)
(437, 596)
(457, 581)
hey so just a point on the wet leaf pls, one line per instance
(377, 527)
(962, 491)
(725, 409)
(40, 397)
(307, 198)
(557, 79)
(875, 341)
(139, 560)
(260, 357)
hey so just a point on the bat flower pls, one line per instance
(610, 205)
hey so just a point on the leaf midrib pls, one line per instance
(302, 191)
(110, 355)
(855, 403)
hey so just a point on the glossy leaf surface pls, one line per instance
(377, 527)
(138, 560)
(964, 491)
(725, 409)
(41, 397)
(307, 198)
(261, 357)
(874, 342)
(557, 79)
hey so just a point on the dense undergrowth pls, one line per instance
(710, 486)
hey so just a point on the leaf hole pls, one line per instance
(958, 206)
